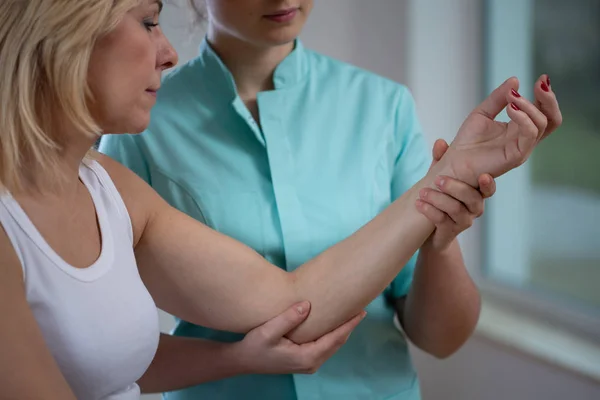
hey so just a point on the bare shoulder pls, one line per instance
(10, 265)
(141, 200)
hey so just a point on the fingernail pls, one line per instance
(514, 107)
(302, 308)
(545, 87)
(439, 181)
(364, 315)
(548, 80)
(423, 193)
(515, 93)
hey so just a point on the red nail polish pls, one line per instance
(548, 80)
(514, 107)
(515, 93)
(545, 87)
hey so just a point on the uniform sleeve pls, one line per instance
(412, 161)
(126, 150)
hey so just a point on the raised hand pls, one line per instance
(484, 145)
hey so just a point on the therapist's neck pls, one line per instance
(252, 66)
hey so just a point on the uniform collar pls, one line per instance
(213, 72)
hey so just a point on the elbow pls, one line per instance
(444, 351)
(443, 348)
(450, 340)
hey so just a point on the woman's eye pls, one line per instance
(150, 24)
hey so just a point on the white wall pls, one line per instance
(435, 47)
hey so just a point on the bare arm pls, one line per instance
(210, 279)
(442, 307)
(27, 369)
(207, 278)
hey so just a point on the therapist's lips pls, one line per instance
(283, 16)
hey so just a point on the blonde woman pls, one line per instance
(87, 248)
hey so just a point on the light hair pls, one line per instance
(45, 49)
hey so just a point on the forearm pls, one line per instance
(442, 308)
(183, 362)
(347, 277)
(209, 279)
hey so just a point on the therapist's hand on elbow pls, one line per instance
(266, 350)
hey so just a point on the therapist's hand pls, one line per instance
(454, 205)
(266, 350)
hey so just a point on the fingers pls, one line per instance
(432, 213)
(320, 350)
(338, 337)
(546, 101)
(497, 100)
(274, 329)
(439, 149)
(533, 112)
(525, 133)
(487, 185)
(461, 193)
(448, 205)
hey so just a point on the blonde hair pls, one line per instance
(45, 48)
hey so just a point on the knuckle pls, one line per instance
(439, 218)
(309, 362)
(262, 335)
(456, 209)
(558, 120)
(544, 123)
(339, 342)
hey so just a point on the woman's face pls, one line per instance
(259, 22)
(125, 70)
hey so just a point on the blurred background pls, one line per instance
(536, 253)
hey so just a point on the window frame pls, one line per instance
(571, 316)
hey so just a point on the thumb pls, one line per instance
(285, 322)
(439, 149)
(498, 99)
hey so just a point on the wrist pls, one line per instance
(433, 246)
(455, 166)
(236, 356)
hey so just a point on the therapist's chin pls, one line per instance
(280, 37)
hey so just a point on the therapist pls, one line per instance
(290, 152)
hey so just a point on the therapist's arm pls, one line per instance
(442, 308)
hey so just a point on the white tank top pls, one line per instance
(100, 323)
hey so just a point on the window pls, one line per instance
(542, 229)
